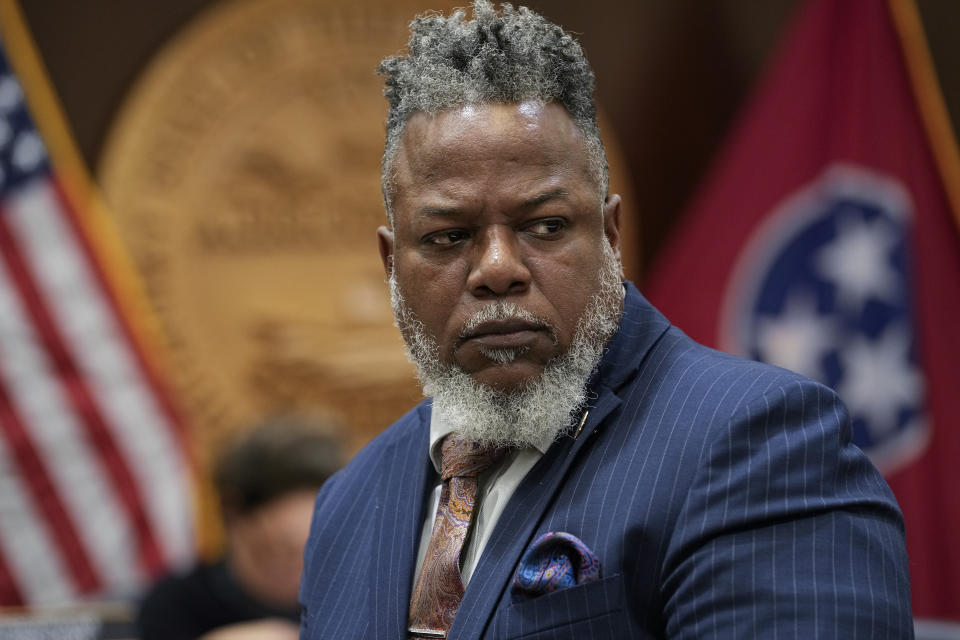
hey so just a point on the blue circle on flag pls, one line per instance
(825, 291)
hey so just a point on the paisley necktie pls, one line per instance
(439, 588)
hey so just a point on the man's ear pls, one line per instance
(611, 222)
(385, 244)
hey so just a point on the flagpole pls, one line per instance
(926, 88)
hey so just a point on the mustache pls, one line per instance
(505, 311)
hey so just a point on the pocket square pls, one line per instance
(555, 560)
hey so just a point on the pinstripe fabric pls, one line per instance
(722, 497)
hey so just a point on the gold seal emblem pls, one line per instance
(243, 172)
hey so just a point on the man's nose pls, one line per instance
(498, 266)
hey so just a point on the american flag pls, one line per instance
(95, 481)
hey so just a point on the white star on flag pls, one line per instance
(879, 379)
(798, 337)
(858, 262)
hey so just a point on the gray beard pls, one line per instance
(545, 407)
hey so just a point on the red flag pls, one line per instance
(95, 485)
(826, 240)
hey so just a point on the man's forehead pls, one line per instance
(530, 114)
(533, 131)
(492, 112)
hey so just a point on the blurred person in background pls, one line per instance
(267, 480)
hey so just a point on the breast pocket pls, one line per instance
(591, 610)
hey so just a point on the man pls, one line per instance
(267, 480)
(582, 469)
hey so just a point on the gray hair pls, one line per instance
(511, 57)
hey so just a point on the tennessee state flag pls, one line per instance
(827, 240)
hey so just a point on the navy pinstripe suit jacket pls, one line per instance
(723, 498)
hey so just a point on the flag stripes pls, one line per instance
(27, 543)
(101, 385)
(8, 590)
(95, 473)
(62, 308)
(31, 466)
(116, 372)
(27, 370)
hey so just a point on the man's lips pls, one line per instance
(500, 334)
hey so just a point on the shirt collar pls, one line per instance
(439, 429)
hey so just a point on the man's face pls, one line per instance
(266, 546)
(497, 203)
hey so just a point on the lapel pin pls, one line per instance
(582, 421)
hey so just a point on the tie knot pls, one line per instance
(462, 458)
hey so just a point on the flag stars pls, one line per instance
(833, 302)
(879, 378)
(798, 338)
(11, 97)
(858, 262)
(22, 151)
(6, 133)
(28, 152)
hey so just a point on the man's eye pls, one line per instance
(546, 227)
(447, 238)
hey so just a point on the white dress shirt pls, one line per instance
(496, 485)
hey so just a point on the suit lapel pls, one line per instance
(397, 525)
(514, 530)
